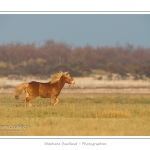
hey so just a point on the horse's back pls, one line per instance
(34, 84)
(39, 89)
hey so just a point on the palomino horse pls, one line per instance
(45, 90)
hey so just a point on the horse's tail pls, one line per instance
(20, 88)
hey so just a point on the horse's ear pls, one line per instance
(67, 73)
(61, 71)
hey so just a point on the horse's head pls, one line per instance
(65, 77)
(68, 78)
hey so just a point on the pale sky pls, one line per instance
(76, 29)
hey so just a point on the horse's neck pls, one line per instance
(60, 83)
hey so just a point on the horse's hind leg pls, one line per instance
(29, 103)
(26, 96)
(25, 102)
(29, 98)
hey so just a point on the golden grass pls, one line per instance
(77, 114)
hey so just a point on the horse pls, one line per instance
(50, 89)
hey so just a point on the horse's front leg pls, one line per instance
(53, 99)
(57, 100)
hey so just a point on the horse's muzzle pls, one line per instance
(73, 82)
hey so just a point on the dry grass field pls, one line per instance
(89, 108)
(81, 112)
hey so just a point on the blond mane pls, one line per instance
(56, 77)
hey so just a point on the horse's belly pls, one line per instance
(45, 95)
